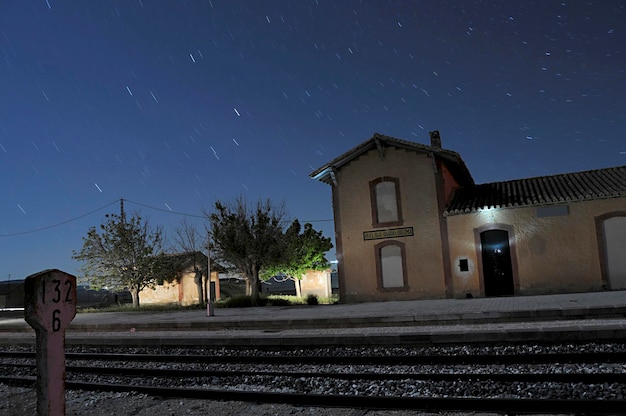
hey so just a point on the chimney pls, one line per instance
(435, 139)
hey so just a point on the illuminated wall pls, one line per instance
(358, 235)
(555, 249)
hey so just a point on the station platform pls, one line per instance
(563, 317)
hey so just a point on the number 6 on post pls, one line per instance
(49, 307)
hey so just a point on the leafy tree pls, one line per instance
(124, 254)
(248, 239)
(305, 250)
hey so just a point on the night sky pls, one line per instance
(173, 105)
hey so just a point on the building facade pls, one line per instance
(410, 223)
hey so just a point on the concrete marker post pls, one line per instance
(49, 307)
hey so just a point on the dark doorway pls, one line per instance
(497, 268)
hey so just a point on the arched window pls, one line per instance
(391, 265)
(385, 201)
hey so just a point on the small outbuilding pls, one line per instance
(410, 223)
(188, 284)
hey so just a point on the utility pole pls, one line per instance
(209, 303)
(122, 215)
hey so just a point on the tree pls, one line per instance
(125, 254)
(306, 250)
(248, 239)
(188, 240)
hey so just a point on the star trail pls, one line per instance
(176, 104)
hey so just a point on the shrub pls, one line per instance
(231, 288)
(278, 302)
(238, 302)
(312, 300)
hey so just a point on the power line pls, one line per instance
(60, 223)
(167, 211)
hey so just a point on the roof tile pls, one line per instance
(576, 186)
(452, 159)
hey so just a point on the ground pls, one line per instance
(20, 401)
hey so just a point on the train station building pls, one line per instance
(410, 223)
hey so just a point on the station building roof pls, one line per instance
(469, 197)
(378, 141)
(542, 190)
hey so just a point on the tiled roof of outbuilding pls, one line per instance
(452, 159)
(577, 186)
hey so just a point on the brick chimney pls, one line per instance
(435, 139)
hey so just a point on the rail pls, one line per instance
(267, 375)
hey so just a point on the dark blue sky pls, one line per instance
(176, 104)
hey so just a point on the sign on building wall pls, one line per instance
(392, 233)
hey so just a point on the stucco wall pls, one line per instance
(184, 292)
(424, 260)
(550, 254)
(316, 283)
(162, 294)
(449, 183)
(189, 293)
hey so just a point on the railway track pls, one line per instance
(591, 382)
